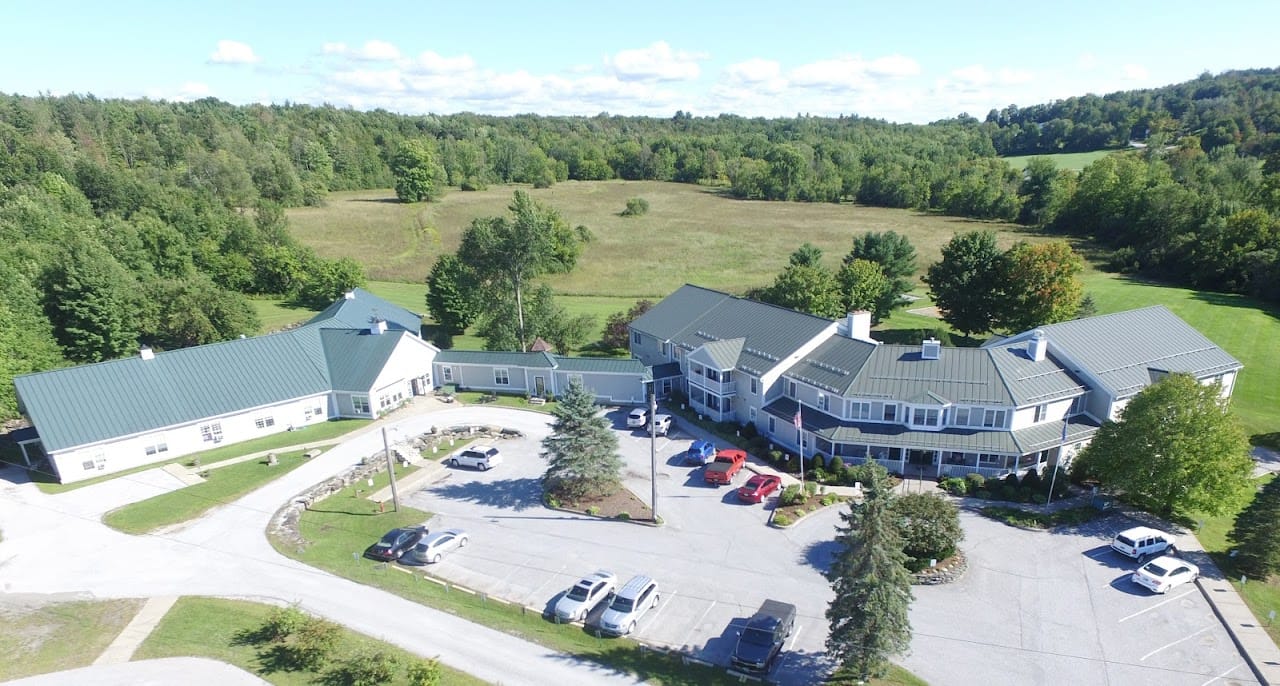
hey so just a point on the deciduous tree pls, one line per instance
(1041, 285)
(418, 173)
(862, 285)
(451, 294)
(897, 259)
(91, 301)
(868, 616)
(965, 284)
(1175, 449)
(581, 451)
(1256, 533)
(615, 327)
(805, 288)
(929, 525)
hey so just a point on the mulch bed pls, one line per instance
(811, 504)
(611, 505)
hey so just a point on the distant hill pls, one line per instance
(1240, 108)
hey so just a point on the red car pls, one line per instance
(758, 488)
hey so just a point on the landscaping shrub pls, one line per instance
(423, 673)
(363, 669)
(624, 516)
(791, 495)
(929, 525)
(954, 485)
(281, 624)
(819, 475)
(775, 456)
(810, 488)
(635, 207)
(995, 490)
(312, 644)
(976, 481)
(781, 519)
(1038, 498)
(836, 467)
(1061, 484)
(1031, 480)
(1011, 482)
(750, 431)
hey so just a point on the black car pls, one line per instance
(761, 641)
(397, 542)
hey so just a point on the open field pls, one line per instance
(1075, 161)
(214, 627)
(56, 636)
(691, 234)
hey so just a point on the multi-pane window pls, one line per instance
(635, 337)
(360, 403)
(925, 417)
(1041, 411)
(157, 448)
(993, 419)
(447, 374)
(753, 385)
(859, 410)
(961, 416)
(501, 377)
(211, 433)
(822, 402)
(264, 422)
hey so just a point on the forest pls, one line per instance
(143, 222)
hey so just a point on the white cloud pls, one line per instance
(370, 80)
(188, 91)
(973, 75)
(377, 51)
(335, 48)
(893, 66)
(1133, 72)
(1013, 77)
(754, 70)
(658, 62)
(233, 52)
(1087, 60)
(432, 63)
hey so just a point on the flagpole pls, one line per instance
(800, 440)
(1053, 480)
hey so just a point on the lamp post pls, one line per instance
(653, 457)
(391, 470)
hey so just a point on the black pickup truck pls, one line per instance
(761, 641)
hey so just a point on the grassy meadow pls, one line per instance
(58, 636)
(1075, 161)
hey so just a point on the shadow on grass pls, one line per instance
(510, 494)
(1229, 300)
(648, 666)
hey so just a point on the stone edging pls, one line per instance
(950, 570)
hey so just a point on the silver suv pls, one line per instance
(482, 457)
(638, 596)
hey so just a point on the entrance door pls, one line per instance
(920, 457)
(539, 386)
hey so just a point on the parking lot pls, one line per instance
(1034, 608)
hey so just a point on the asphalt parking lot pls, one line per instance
(1034, 607)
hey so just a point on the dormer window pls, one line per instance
(923, 416)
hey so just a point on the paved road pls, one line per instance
(226, 554)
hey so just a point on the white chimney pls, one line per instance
(930, 349)
(378, 326)
(349, 295)
(1037, 346)
(857, 325)
(146, 353)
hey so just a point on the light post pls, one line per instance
(653, 457)
(391, 470)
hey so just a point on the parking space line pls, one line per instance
(1223, 674)
(1162, 602)
(697, 624)
(1170, 645)
(796, 636)
(661, 607)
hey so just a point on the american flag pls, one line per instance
(796, 421)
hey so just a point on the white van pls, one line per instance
(1142, 542)
(636, 597)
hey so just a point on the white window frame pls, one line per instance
(446, 373)
(264, 422)
(211, 433)
(960, 416)
(501, 376)
(635, 337)
(360, 403)
(823, 402)
(754, 390)
(1041, 411)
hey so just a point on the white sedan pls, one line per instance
(584, 596)
(1164, 573)
(434, 546)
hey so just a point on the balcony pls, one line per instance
(714, 415)
(716, 387)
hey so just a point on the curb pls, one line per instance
(629, 520)
(1231, 631)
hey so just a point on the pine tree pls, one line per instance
(869, 614)
(581, 452)
(1256, 535)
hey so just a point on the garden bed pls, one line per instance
(621, 504)
(1027, 519)
(787, 515)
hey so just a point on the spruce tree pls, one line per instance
(1256, 534)
(581, 452)
(869, 614)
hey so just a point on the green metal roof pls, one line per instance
(361, 308)
(98, 402)
(719, 354)
(895, 435)
(1122, 349)
(693, 316)
(496, 358)
(603, 365)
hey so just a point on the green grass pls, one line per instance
(59, 636)
(339, 527)
(516, 401)
(1246, 328)
(691, 234)
(1075, 161)
(315, 433)
(1037, 520)
(209, 627)
(275, 314)
(1261, 596)
(221, 486)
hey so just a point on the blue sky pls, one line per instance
(901, 61)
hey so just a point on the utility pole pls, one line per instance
(391, 469)
(653, 457)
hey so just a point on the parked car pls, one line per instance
(639, 417)
(584, 596)
(1165, 573)
(724, 467)
(395, 543)
(434, 546)
(759, 487)
(661, 424)
(1142, 542)
(761, 641)
(700, 453)
(482, 457)
(636, 597)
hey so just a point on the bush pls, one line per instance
(780, 519)
(975, 480)
(830, 499)
(810, 488)
(312, 644)
(1038, 498)
(929, 526)
(819, 475)
(995, 490)
(1061, 484)
(473, 183)
(954, 485)
(423, 673)
(749, 431)
(624, 516)
(363, 669)
(1031, 480)
(836, 467)
(636, 207)
(281, 623)
(1011, 481)
(791, 495)
(593, 511)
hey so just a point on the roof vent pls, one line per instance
(349, 295)
(146, 353)
(378, 326)
(1037, 346)
(930, 349)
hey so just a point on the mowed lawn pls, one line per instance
(57, 636)
(1074, 161)
(691, 234)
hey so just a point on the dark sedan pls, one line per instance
(397, 542)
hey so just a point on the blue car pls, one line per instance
(700, 453)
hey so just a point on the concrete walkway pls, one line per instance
(188, 671)
(139, 628)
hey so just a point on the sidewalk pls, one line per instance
(1251, 639)
(137, 630)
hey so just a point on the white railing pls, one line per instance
(717, 387)
(962, 470)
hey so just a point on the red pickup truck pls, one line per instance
(727, 463)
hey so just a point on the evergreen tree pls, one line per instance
(869, 613)
(897, 259)
(582, 451)
(1256, 534)
(91, 301)
(451, 294)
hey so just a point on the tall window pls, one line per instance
(822, 402)
(791, 389)
(1041, 410)
(961, 416)
(635, 337)
(501, 377)
(753, 385)
(360, 403)
(993, 419)
(890, 413)
(446, 373)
